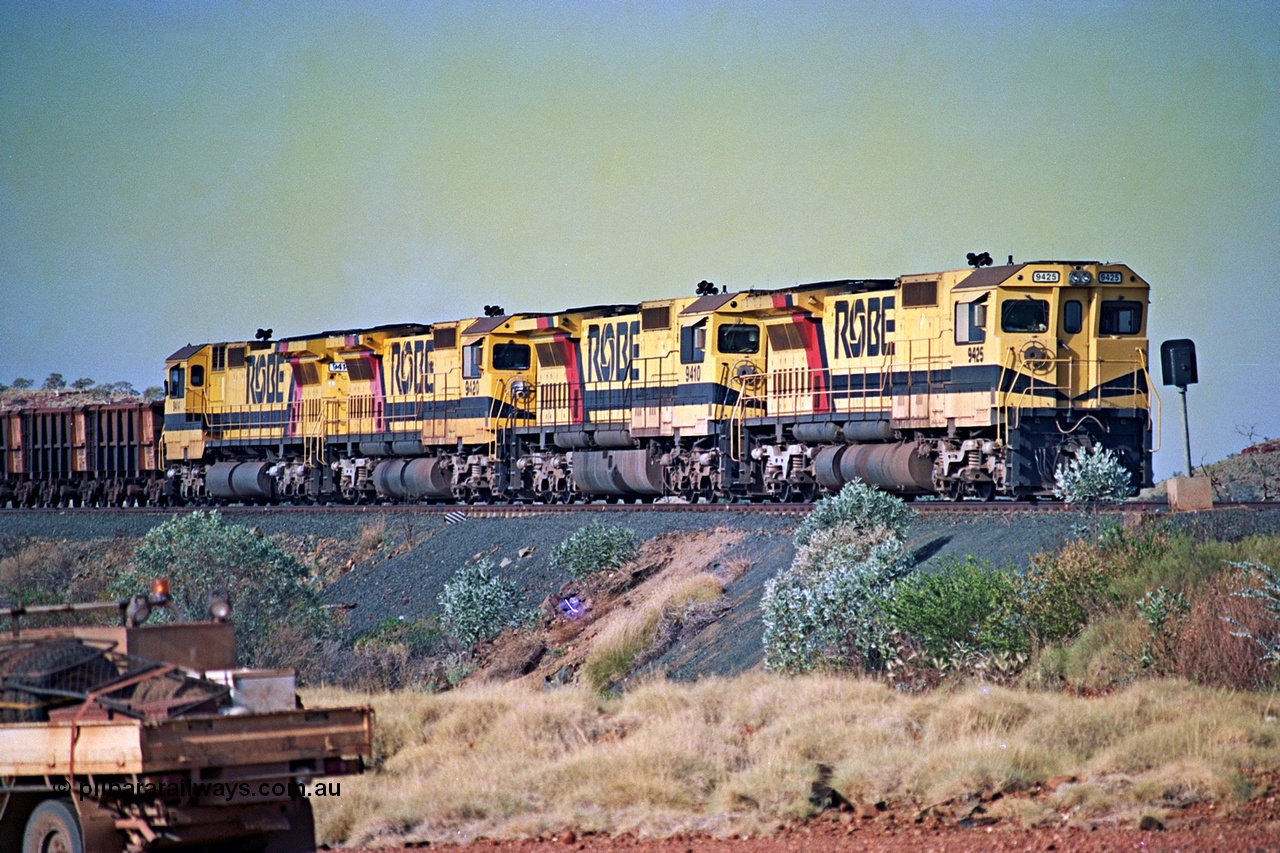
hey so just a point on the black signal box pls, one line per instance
(1178, 362)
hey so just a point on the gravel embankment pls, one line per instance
(408, 584)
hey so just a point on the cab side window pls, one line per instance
(693, 343)
(197, 375)
(472, 360)
(1072, 316)
(177, 382)
(971, 318)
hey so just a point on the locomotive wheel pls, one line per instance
(798, 493)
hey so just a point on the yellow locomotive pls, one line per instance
(969, 382)
(965, 382)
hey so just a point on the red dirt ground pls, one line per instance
(1218, 839)
(1253, 827)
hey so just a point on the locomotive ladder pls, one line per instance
(317, 417)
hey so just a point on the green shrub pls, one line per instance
(1104, 654)
(964, 603)
(830, 620)
(594, 547)
(419, 637)
(201, 554)
(860, 505)
(477, 604)
(1094, 476)
(1162, 612)
(1059, 593)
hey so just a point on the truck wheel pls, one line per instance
(300, 837)
(53, 828)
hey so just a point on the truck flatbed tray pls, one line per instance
(125, 746)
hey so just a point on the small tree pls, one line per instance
(203, 554)
(826, 608)
(477, 604)
(859, 504)
(22, 382)
(1093, 477)
(154, 392)
(54, 381)
(82, 384)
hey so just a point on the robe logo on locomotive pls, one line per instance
(412, 366)
(611, 347)
(265, 378)
(863, 327)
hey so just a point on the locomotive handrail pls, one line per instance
(1012, 402)
(1155, 423)
(782, 391)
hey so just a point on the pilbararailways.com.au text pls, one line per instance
(186, 789)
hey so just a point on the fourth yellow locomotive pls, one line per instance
(974, 382)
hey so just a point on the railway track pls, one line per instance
(528, 510)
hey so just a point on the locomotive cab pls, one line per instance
(1047, 359)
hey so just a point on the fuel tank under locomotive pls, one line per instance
(425, 477)
(902, 468)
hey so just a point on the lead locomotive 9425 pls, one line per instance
(964, 383)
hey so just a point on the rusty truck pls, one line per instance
(132, 737)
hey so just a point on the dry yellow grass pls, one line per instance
(372, 539)
(631, 630)
(742, 754)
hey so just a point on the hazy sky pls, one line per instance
(182, 172)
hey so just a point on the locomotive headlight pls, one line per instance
(1080, 277)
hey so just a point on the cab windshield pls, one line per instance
(738, 338)
(511, 356)
(1121, 317)
(1024, 315)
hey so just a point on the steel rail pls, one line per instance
(510, 510)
